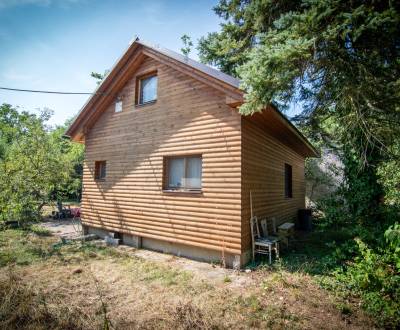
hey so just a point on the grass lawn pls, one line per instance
(48, 285)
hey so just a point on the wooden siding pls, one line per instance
(263, 172)
(188, 117)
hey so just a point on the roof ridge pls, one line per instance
(136, 43)
(215, 73)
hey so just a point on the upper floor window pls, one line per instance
(183, 173)
(118, 105)
(147, 89)
(288, 181)
(100, 170)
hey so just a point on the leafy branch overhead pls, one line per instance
(99, 76)
(337, 58)
(187, 45)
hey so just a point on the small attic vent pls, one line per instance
(118, 106)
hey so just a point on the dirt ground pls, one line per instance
(63, 227)
(127, 288)
(202, 270)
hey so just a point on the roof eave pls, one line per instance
(313, 151)
(100, 89)
(224, 81)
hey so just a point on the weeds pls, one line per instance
(267, 313)
(22, 247)
(227, 279)
(188, 317)
(39, 230)
(151, 272)
(25, 247)
(106, 322)
(23, 306)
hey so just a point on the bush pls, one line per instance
(334, 212)
(374, 275)
(389, 176)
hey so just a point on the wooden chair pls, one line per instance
(260, 244)
(264, 227)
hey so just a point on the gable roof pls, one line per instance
(132, 58)
(234, 82)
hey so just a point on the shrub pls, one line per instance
(375, 277)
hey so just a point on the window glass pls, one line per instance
(193, 172)
(100, 170)
(288, 181)
(176, 172)
(148, 89)
(103, 170)
(183, 172)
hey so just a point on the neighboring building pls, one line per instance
(170, 163)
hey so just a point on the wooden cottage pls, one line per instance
(169, 161)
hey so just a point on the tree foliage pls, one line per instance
(99, 76)
(374, 275)
(73, 154)
(187, 45)
(37, 165)
(340, 60)
(336, 57)
(389, 176)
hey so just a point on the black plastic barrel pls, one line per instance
(304, 220)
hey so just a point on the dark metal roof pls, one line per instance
(192, 63)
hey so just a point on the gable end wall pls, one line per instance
(188, 118)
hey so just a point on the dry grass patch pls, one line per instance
(88, 286)
(25, 306)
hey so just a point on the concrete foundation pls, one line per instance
(132, 240)
(181, 250)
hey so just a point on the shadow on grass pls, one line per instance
(35, 244)
(21, 247)
(308, 252)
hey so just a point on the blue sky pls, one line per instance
(56, 44)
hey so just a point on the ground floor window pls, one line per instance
(183, 173)
(100, 170)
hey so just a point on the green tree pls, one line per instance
(99, 76)
(389, 176)
(73, 154)
(35, 165)
(339, 59)
(9, 122)
(187, 45)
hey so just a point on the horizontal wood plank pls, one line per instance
(188, 117)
